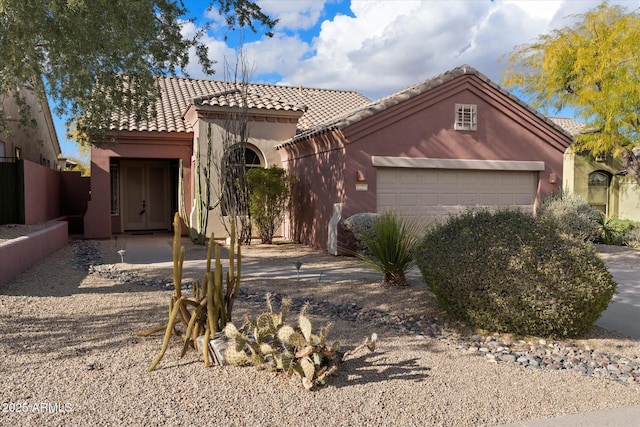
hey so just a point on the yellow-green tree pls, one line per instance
(591, 66)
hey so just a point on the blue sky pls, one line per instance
(377, 47)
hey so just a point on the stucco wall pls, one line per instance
(42, 193)
(319, 167)
(16, 255)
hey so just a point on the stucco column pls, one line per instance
(97, 220)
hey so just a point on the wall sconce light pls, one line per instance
(360, 177)
(553, 178)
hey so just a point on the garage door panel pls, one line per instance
(522, 199)
(429, 199)
(408, 178)
(387, 199)
(387, 176)
(466, 199)
(448, 200)
(435, 193)
(410, 199)
(470, 179)
(447, 177)
(485, 200)
(428, 179)
(483, 180)
(506, 200)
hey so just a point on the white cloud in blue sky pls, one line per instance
(377, 47)
(294, 15)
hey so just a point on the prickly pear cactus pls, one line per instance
(267, 341)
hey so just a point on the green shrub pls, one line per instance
(613, 230)
(268, 198)
(572, 215)
(507, 272)
(390, 247)
(632, 238)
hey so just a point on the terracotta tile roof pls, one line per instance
(347, 118)
(177, 93)
(571, 126)
(234, 98)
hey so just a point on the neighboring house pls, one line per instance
(452, 141)
(31, 187)
(38, 144)
(599, 179)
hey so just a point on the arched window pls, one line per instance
(251, 158)
(598, 179)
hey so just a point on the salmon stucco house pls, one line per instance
(452, 141)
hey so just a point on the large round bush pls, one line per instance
(506, 272)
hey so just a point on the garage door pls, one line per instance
(433, 193)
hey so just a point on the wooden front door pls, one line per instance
(146, 198)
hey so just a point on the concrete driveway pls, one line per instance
(623, 313)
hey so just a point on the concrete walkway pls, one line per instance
(156, 250)
(622, 315)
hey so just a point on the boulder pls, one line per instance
(354, 229)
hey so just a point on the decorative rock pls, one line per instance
(509, 358)
(356, 227)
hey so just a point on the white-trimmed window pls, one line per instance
(466, 117)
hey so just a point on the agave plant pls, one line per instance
(390, 245)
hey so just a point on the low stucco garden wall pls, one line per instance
(17, 255)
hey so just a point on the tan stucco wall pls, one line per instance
(624, 192)
(629, 194)
(264, 133)
(40, 144)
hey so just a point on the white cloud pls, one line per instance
(293, 14)
(279, 54)
(541, 9)
(386, 45)
(389, 45)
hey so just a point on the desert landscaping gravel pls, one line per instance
(70, 355)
